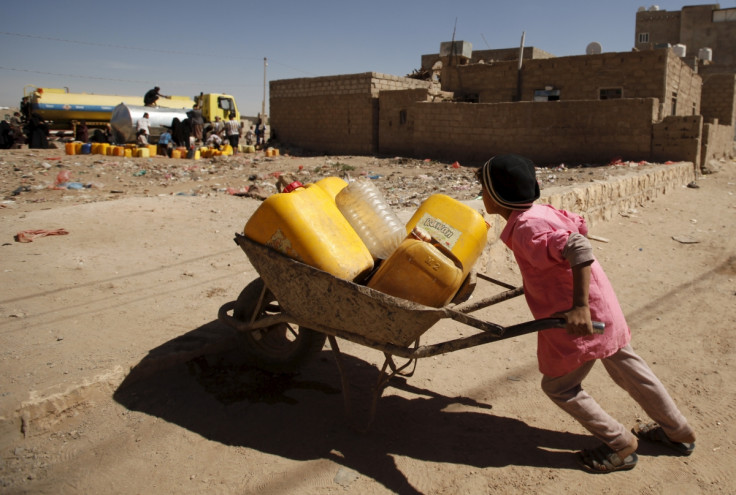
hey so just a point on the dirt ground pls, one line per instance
(115, 376)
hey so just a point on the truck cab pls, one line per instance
(217, 104)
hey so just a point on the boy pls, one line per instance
(562, 279)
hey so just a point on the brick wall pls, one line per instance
(718, 100)
(647, 74)
(718, 142)
(677, 139)
(336, 114)
(682, 85)
(552, 132)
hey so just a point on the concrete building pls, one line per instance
(703, 32)
(641, 105)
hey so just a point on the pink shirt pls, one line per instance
(537, 237)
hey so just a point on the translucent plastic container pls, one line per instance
(455, 225)
(372, 218)
(306, 225)
(419, 271)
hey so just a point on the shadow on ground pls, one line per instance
(302, 417)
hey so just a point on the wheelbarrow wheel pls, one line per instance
(280, 348)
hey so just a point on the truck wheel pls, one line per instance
(280, 348)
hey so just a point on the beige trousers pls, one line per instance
(631, 373)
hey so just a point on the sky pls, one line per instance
(186, 47)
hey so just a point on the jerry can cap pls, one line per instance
(294, 185)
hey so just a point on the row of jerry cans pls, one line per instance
(322, 225)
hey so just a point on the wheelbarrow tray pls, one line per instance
(317, 299)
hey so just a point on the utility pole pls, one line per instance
(263, 105)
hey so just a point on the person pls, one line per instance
(218, 126)
(165, 143)
(25, 109)
(213, 141)
(16, 130)
(152, 96)
(562, 278)
(196, 121)
(6, 135)
(250, 136)
(37, 131)
(143, 124)
(259, 134)
(82, 132)
(141, 138)
(232, 128)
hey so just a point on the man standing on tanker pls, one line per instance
(151, 96)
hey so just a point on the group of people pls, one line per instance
(19, 130)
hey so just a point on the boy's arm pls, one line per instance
(579, 253)
(578, 317)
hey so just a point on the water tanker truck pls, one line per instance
(63, 109)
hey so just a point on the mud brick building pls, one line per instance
(641, 105)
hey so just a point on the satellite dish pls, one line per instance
(593, 48)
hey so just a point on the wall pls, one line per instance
(598, 201)
(697, 30)
(683, 85)
(502, 54)
(647, 74)
(718, 100)
(662, 26)
(334, 114)
(550, 132)
(693, 27)
(677, 139)
(718, 142)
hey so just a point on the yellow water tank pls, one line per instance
(128, 153)
(331, 185)
(455, 225)
(306, 225)
(78, 147)
(70, 148)
(142, 152)
(419, 271)
(175, 154)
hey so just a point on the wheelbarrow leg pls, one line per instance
(381, 383)
(343, 376)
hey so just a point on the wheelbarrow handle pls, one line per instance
(598, 326)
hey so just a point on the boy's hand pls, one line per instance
(578, 320)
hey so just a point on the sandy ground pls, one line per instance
(115, 376)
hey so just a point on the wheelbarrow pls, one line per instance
(284, 317)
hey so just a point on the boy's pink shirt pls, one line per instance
(537, 237)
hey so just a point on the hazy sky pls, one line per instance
(189, 46)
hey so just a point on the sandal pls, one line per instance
(604, 459)
(654, 433)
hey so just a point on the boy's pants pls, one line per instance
(632, 374)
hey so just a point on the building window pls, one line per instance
(643, 37)
(547, 94)
(611, 93)
(674, 104)
(402, 117)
